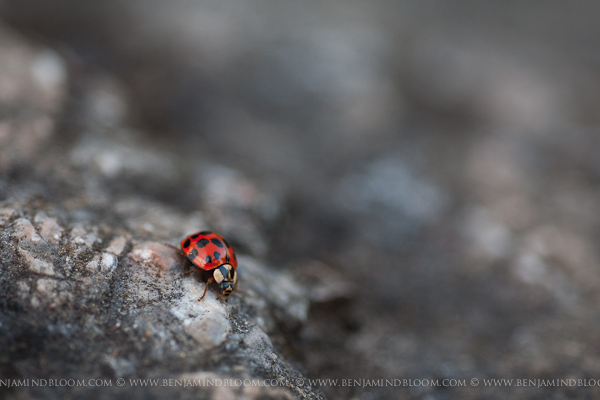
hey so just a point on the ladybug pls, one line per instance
(211, 252)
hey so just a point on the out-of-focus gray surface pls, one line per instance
(437, 160)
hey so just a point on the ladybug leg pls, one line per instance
(226, 299)
(206, 288)
(189, 272)
(171, 246)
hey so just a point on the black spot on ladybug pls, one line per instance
(193, 254)
(186, 243)
(217, 242)
(202, 242)
(194, 236)
(234, 257)
(216, 255)
(208, 259)
(205, 233)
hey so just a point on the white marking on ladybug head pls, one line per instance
(218, 275)
(226, 277)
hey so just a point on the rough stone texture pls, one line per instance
(91, 288)
(411, 188)
(133, 315)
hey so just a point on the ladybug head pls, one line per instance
(226, 277)
(226, 288)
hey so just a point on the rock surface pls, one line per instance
(92, 290)
(410, 187)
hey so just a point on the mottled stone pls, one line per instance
(23, 289)
(117, 245)
(49, 229)
(206, 321)
(157, 255)
(90, 286)
(267, 287)
(37, 265)
(6, 213)
(105, 263)
(45, 286)
(82, 237)
(208, 330)
(25, 231)
(257, 339)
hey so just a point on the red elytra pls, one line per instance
(211, 252)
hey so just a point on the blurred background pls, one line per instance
(437, 159)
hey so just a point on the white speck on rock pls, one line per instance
(35, 301)
(24, 230)
(37, 265)
(45, 286)
(104, 262)
(209, 331)
(157, 254)
(117, 245)
(5, 214)
(92, 266)
(109, 262)
(206, 322)
(23, 289)
(142, 254)
(80, 236)
(50, 230)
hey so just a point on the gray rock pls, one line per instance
(84, 298)
(411, 189)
